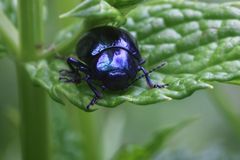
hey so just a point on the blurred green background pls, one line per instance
(214, 135)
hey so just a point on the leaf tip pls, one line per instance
(211, 87)
(168, 98)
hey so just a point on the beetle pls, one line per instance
(110, 56)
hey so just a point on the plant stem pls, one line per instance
(30, 28)
(34, 118)
(91, 135)
(34, 112)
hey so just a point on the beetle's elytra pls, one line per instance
(109, 56)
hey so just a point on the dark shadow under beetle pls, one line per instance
(110, 56)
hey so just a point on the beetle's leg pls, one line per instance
(76, 66)
(69, 77)
(149, 81)
(92, 102)
(73, 75)
(97, 94)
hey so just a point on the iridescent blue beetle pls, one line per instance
(110, 56)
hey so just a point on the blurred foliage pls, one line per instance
(10, 8)
(148, 151)
(66, 141)
(2, 51)
(95, 12)
(213, 137)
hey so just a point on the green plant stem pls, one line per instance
(30, 28)
(34, 112)
(34, 118)
(9, 34)
(91, 135)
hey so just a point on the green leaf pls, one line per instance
(200, 42)
(95, 10)
(10, 8)
(237, 82)
(149, 150)
(124, 3)
(8, 34)
(124, 6)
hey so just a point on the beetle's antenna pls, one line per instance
(152, 70)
